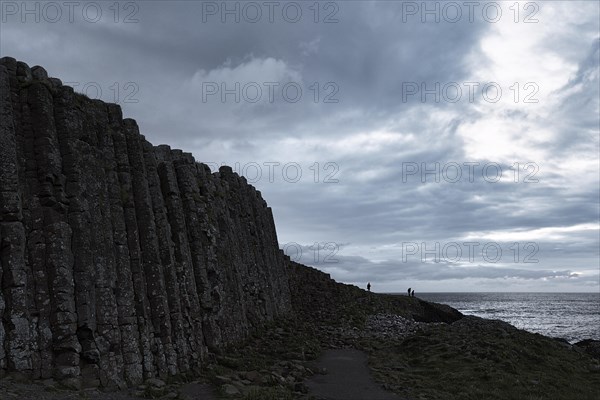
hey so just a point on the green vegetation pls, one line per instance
(470, 362)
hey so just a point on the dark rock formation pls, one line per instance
(120, 261)
(315, 293)
(590, 346)
(434, 312)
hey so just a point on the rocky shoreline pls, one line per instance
(470, 358)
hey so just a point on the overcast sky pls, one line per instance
(446, 147)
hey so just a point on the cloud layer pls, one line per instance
(367, 125)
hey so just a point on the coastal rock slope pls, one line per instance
(120, 261)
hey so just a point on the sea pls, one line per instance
(571, 316)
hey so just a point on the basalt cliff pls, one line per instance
(120, 260)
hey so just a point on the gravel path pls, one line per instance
(347, 378)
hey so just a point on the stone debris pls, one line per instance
(389, 325)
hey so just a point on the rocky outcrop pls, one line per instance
(590, 346)
(316, 295)
(433, 312)
(120, 261)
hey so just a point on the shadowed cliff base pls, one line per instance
(129, 266)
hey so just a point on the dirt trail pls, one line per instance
(347, 378)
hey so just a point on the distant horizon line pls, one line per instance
(459, 292)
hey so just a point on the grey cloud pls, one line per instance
(359, 269)
(368, 54)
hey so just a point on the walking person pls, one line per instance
(369, 287)
(408, 292)
(412, 293)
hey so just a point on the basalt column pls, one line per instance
(120, 261)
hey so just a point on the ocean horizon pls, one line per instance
(573, 316)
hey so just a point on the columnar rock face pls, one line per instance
(120, 261)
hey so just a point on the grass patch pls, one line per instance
(446, 361)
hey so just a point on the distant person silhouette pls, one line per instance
(412, 293)
(408, 292)
(369, 286)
